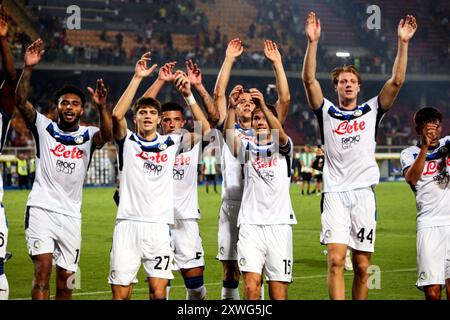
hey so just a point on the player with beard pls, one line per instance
(63, 152)
(232, 185)
(350, 171)
(7, 105)
(186, 240)
(266, 215)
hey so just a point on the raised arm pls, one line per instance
(284, 96)
(105, 122)
(234, 50)
(183, 85)
(33, 55)
(271, 119)
(312, 86)
(8, 99)
(119, 122)
(405, 31)
(428, 136)
(230, 136)
(194, 75)
(165, 75)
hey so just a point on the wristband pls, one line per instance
(190, 100)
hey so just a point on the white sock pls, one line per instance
(196, 294)
(4, 287)
(230, 294)
(261, 292)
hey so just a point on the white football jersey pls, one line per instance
(146, 177)
(349, 144)
(433, 189)
(231, 167)
(62, 160)
(267, 180)
(5, 120)
(185, 176)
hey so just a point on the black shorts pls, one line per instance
(210, 177)
(306, 176)
(319, 177)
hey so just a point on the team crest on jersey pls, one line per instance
(162, 146)
(267, 175)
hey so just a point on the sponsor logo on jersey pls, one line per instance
(261, 164)
(37, 244)
(442, 178)
(62, 151)
(423, 276)
(151, 168)
(178, 174)
(348, 142)
(348, 127)
(182, 160)
(358, 113)
(65, 166)
(245, 134)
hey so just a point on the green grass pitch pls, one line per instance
(395, 251)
